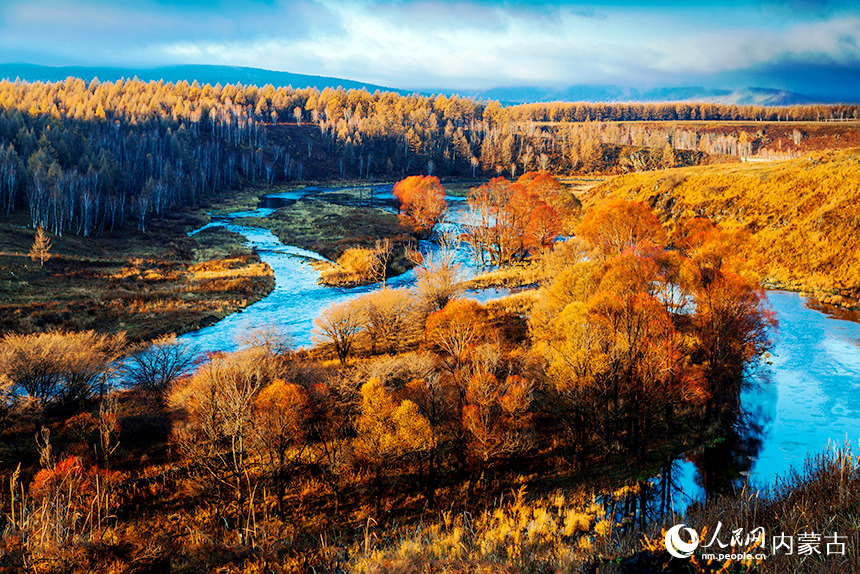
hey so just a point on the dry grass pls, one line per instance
(802, 213)
(145, 284)
(518, 274)
(582, 532)
(554, 533)
(519, 303)
(354, 267)
(822, 497)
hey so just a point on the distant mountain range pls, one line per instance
(506, 95)
(602, 93)
(203, 74)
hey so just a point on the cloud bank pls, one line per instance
(439, 44)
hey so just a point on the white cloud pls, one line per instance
(835, 41)
(428, 43)
(392, 46)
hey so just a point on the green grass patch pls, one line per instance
(330, 228)
(244, 200)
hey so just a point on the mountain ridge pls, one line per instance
(202, 73)
(620, 94)
(506, 95)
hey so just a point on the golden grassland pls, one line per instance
(579, 185)
(803, 214)
(539, 269)
(146, 284)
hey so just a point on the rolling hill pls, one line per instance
(804, 214)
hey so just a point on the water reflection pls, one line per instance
(806, 396)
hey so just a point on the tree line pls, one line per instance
(84, 158)
(85, 177)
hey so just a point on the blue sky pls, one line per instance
(802, 45)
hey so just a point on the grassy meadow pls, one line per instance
(801, 214)
(146, 284)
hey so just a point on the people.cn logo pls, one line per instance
(677, 547)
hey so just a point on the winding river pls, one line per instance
(297, 299)
(804, 397)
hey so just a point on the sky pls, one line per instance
(803, 45)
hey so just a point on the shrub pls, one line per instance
(156, 365)
(58, 367)
(389, 318)
(339, 326)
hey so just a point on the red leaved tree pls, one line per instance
(422, 202)
(618, 225)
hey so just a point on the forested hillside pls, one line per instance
(204, 74)
(802, 215)
(82, 158)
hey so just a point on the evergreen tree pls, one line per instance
(41, 249)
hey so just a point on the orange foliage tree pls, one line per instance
(641, 332)
(387, 431)
(731, 318)
(617, 225)
(282, 410)
(422, 202)
(551, 191)
(216, 422)
(496, 418)
(457, 327)
(508, 220)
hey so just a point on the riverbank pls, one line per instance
(801, 215)
(147, 284)
(332, 222)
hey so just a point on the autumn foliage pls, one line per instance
(410, 403)
(457, 328)
(507, 221)
(422, 202)
(792, 219)
(641, 330)
(57, 367)
(618, 225)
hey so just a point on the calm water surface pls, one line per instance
(807, 398)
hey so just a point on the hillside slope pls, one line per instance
(804, 214)
(203, 74)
